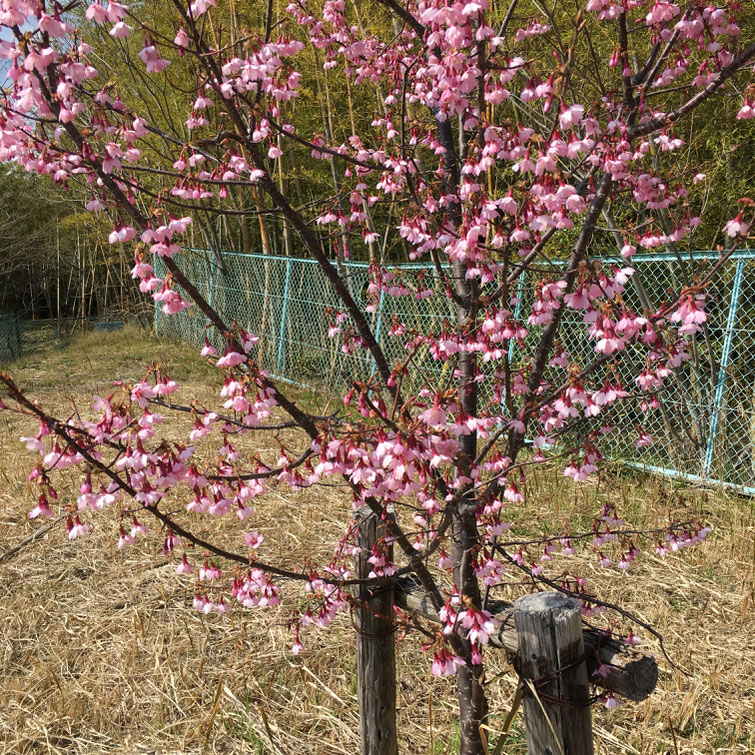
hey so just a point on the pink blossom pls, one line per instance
(248, 340)
(138, 528)
(34, 444)
(571, 116)
(200, 603)
(603, 671)
(152, 60)
(737, 227)
(198, 7)
(445, 663)
(116, 11)
(513, 494)
(96, 13)
(53, 26)
(253, 539)
(173, 303)
(76, 528)
(121, 30)
(690, 313)
(184, 567)
(208, 349)
(231, 359)
(434, 416)
(444, 562)
(41, 509)
(124, 539)
(182, 38)
(567, 548)
(123, 234)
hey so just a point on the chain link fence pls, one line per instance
(10, 338)
(703, 429)
(20, 337)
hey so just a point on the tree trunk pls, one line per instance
(473, 706)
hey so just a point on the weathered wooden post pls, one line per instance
(551, 656)
(376, 647)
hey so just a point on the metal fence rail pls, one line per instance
(704, 429)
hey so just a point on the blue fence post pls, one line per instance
(379, 326)
(157, 304)
(723, 369)
(284, 312)
(210, 293)
(517, 311)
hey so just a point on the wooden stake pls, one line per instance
(557, 717)
(376, 648)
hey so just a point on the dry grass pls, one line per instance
(101, 650)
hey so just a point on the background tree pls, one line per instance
(55, 260)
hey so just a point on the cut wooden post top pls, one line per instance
(547, 602)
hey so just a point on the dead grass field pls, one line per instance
(101, 651)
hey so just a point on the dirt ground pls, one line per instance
(101, 650)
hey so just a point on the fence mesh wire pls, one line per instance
(704, 427)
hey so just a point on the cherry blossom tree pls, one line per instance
(511, 141)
